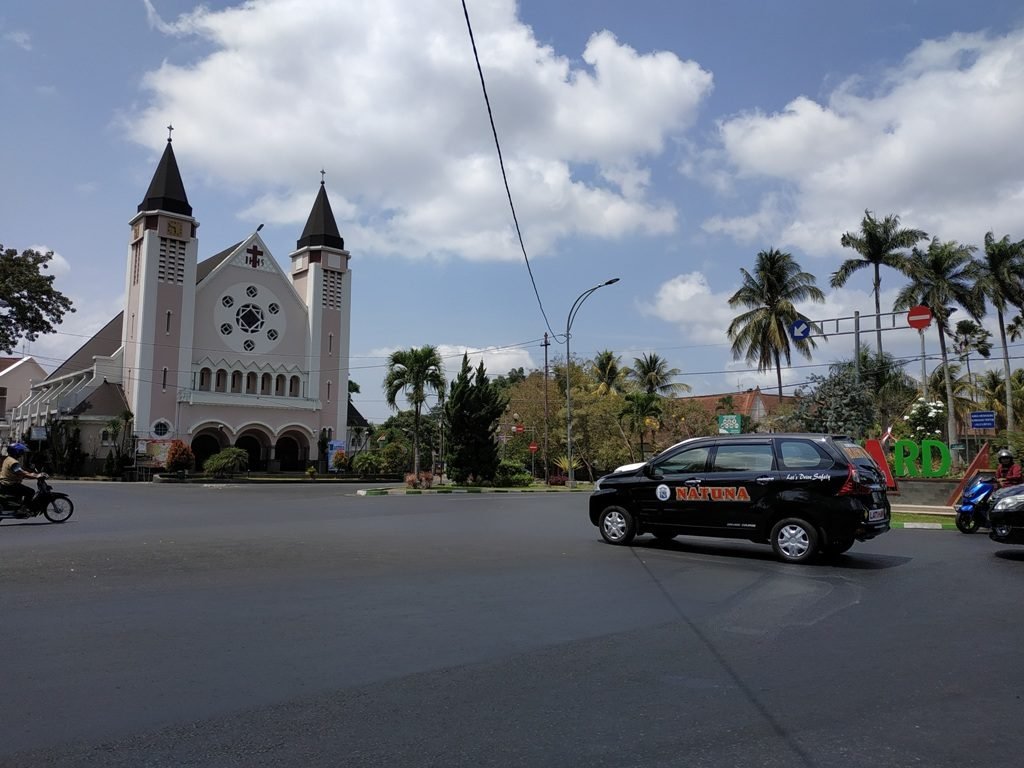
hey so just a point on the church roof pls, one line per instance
(355, 418)
(206, 266)
(166, 191)
(103, 344)
(106, 400)
(321, 228)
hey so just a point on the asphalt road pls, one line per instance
(281, 626)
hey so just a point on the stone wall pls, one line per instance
(921, 491)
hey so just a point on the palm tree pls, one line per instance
(992, 394)
(1015, 328)
(414, 372)
(940, 277)
(1001, 282)
(607, 370)
(971, 337)
(638, 409)
(878, 243)
(652, 374)
(963, 391)
(761, 335)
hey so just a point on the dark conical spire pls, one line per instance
(166, 191)
(321, 229)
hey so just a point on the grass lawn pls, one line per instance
(904, 517)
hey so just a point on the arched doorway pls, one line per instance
(204, 446)
(251, 445)
(287, 452)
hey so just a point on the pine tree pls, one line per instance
(472, 413)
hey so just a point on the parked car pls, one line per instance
(802, 493)
(1006, 515)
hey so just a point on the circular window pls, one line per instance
(227, 301)
(251, 291)
(161, 428)
(249, 346)
(226, 329)
(273, 309)
(249, 318)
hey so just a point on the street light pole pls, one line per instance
(568, 369)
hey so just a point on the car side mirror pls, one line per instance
(651, 472)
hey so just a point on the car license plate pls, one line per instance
(875, 515)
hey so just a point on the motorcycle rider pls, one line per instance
(1008, 471)
(12, 474)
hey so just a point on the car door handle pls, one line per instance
(764, 479)
(692, 482)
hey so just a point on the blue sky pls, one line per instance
(664, 143)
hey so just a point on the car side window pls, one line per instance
(803, 454)
(689, 460)
(737, 457)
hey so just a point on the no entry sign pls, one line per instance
(919, 317)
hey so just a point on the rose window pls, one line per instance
(249, 318)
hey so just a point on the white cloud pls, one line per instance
(497, 360)
(386, 97)
(58, 265)
(688, 302)
(937, 142)
(20, 38)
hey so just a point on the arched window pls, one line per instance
(204, 379)
(279, 385)
(163, 382)
(328, 391)
(236, 381)
(222, 380)
(167, 325)
(293, 386)
(266, 383)
(330, 343)
(250, 383)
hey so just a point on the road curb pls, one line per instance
(442, 491)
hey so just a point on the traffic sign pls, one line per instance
(983, 419)
(520, 429)
(800, 329)
(534, 447)
(919, 317)
(729, 424)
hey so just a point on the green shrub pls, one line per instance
(512, 474)
(367, 463)
(227, 462)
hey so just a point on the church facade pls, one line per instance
(228, 351)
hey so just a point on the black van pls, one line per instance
(803, 493)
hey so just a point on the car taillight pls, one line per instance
(853, 485)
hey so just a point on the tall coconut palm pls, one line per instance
(608, 372)
(414, 372)
(1015, 328)
(969, 337)
(638, 409)
(878, 243)
(941, 277)
(770, 293)
(1002, 284)
(650, 372)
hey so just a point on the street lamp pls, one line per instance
(568, 367)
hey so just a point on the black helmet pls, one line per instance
(16, 449)
(1005, 457)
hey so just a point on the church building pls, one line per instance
(228, 351)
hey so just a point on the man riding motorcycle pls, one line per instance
(12, 474)
(1008, 472)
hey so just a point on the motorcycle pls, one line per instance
(54, 506)
(975, 503)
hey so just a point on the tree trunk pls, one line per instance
(950, 415)
(1006, 371)
(878, 311)
(778, 373)
(970, 378)
(416, 446)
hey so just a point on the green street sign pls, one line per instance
(729, 424)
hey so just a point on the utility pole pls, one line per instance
(546, 344)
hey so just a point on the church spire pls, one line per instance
(166, 191)
(321, 229)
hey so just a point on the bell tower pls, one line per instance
(322, 278)
(160, 291)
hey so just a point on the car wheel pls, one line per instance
(794, 540)
(617, 525)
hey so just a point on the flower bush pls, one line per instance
(339, 461)
(925, 420)
(179, 457)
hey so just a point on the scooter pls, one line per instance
(975, 502)
(54, 506)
